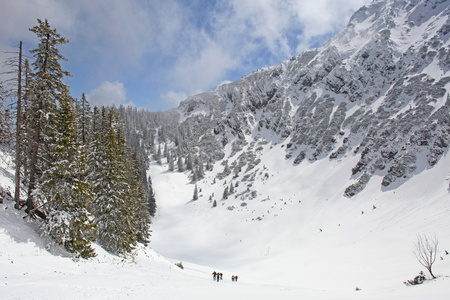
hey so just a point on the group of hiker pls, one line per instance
(219, 276)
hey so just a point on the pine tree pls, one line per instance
(195, 197)
(151, 199)
(225, 193)
(113, 206)
(45, 89)
(5, 119)
(64, 187)
(84, 114)
(139, 196)
(209, 166)
(200, 171)
(158, 156)
(231, 189)
(188, 162)
(180, 164)
(166, 150)
(170, 162)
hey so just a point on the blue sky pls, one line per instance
(155, 53)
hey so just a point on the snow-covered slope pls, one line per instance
(299, 230)
(338, 158)
(314, 249)
(378, 90)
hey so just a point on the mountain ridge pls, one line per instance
(385, 99)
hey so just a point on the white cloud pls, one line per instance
(173, 98)
(108, 93)
(320, 18)
(182, 46)
(248, 34)
(199, 71)
(224, 82)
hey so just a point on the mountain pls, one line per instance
(378, 89)
(313, 179)
(337, 159)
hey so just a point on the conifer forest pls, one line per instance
(75, 170)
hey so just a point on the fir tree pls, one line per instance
(209, 166)
(170, 162)
(158, 156)
(84, 113)
(64, 187)
(151, 199)
(139, 196)
(45, 89)
(180, 164)
(231, 189)
(113, 206)
(188, 162)
(225, 193)
(195, 197)
(166, 150)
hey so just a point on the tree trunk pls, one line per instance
(18, 132)
(431, 273)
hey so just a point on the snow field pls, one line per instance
(309, 235)
(310, 241)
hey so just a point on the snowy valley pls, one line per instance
(312, 179)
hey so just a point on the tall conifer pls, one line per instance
(45, 88)
(64, 187)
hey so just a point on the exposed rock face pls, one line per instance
(379, 89)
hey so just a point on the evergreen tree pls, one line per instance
(231, 189)
(166, 150)
(113, 206)
(170, 162)
(64, 187)
(158, 155)
(45, 89)
(225, 193)
(151, 199)
(200, 171)
(195, 197)
(188, 162)
(180, 164)
(84, 113)
(139, 196)
(209, 166)
(5, 119)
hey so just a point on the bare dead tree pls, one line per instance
(425, 251)
(18, 133)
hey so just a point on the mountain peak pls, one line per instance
(378, 89)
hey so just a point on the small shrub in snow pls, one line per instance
(180, 265)
(419, 279)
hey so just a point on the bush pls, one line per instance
(419, 279)
(180, 265)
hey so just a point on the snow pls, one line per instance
(310, 242)
(296, 237)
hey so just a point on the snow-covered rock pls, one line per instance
(378, 89)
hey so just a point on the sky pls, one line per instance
(155, 53)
